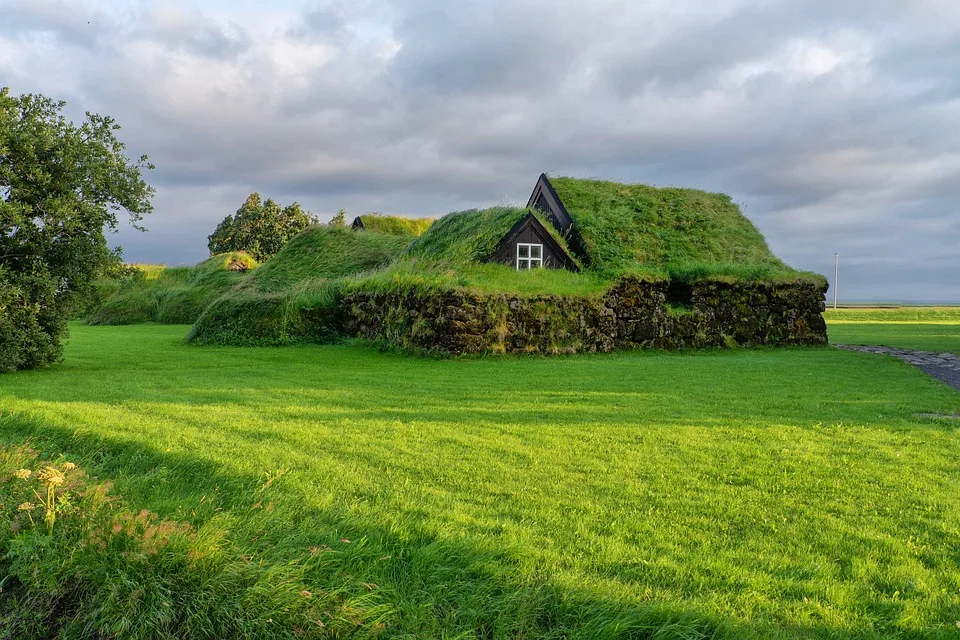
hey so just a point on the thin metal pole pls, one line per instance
(836, 277)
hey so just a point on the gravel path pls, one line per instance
(945, 367)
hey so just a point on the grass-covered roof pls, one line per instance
(466, 236)
(473, 235)
(395, 225)
(321, 252)
(671, 231)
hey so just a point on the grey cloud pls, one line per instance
(420, 107)
(70, 24)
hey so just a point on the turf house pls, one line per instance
(587, 265)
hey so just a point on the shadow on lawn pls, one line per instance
(430, 586)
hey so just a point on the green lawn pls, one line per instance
(721, 494)
(925, 328)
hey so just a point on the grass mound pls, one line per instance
(326, 253)
(679, 233)
(395, 225)
(293, 297)
(173, 295)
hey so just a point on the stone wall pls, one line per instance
(633, 314)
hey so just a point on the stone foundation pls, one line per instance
(633, 314)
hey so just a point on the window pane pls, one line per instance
(523, 251)
(536, 250)
(523, 264)
(536, 263)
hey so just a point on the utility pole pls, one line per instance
(836, 277)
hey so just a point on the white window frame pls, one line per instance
(532, 263)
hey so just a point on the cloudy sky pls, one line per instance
(834, 123)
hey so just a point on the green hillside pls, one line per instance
(676, 232)
(172, 295)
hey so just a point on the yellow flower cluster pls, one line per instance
(23, 474)
(51, 476)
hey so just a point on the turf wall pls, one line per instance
(633, 314)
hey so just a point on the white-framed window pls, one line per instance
(529, 256)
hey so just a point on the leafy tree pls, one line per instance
(259, 228)
(61, 186)
(340, 219)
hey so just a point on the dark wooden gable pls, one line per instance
(357, 224)
(545, 199)
(531, 230)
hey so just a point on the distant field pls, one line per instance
(893, 314)
(924, 328)
(772, 493)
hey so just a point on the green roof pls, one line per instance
(638, 228)
(321, 252)
(395, 225)
(466, 236)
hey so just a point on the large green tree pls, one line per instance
(62, 185)
(259, 228)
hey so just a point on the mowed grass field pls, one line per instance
(772, 493)
(934, 329)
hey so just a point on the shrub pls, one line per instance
(30, 326)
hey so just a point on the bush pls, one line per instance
(30, 328)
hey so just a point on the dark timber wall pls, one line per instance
(633, 314)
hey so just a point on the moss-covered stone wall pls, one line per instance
(633, 314)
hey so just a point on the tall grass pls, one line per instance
(395, 225)
(172, 295)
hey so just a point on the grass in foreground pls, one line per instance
(924, 328)
(725, 494)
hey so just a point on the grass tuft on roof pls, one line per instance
(321, 252)
(680, 233)
(395, 225)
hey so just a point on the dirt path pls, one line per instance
(945, 367)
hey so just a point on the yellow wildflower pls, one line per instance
(27, 506)
(69, 466)
(51, 476)
(23, 474)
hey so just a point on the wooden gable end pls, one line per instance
(531, 231)
(545, 199)
(357, 224)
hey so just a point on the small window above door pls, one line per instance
(529, 256)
